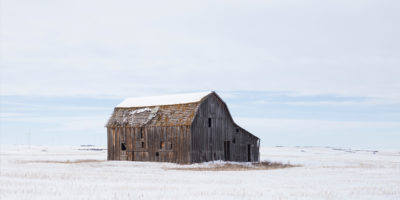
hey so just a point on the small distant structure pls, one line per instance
(184, 128)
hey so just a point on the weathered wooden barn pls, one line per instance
(186, 128)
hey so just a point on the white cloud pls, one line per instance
(311, 127)
(363, 102)
(4, 115)
(16, 106)
(133, 48)
(323, 132)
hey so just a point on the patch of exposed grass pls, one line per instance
(264, 165)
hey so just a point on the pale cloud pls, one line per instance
(341, 53)
(134, 48)
(368, 102)
(8, 115)
(16, 106)
(277, 131)
(311, 127)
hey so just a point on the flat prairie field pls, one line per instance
(42, 172)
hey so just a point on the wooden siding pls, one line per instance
(208, 142)
(186, 128)
(177, 136)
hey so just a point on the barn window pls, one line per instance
(123, 147)
(209, 122)
(157, 154)
(141, 133)
(234, 140)
(162, 145)
(237, 130)
(170, 146)
(142, 144)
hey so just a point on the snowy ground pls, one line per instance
(69, 173)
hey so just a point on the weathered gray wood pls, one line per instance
(108, 144)
(208, 142)
(186, 127)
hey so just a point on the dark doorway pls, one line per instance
(249, 152)
(227, 150)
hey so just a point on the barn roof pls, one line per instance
(168, 110)
(162, 100)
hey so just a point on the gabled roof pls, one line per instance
(167, 110)
(166, 115)
(163, 100)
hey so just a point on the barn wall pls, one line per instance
(144, 143)
(210, 143)
(109, 146)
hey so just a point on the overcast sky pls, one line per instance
(292, 72)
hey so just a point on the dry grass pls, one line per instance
(63, 161)
(265, 165)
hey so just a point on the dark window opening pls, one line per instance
(170, 146)
(142, 144)
(209, 122)
(237, 130)
(157, 154)
(123, 147)
(249, 152)
(234, 140)
(162, 145)
(215, 155)
(141, 132)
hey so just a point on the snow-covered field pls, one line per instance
(69, 173)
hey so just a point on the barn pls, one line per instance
(183, 128)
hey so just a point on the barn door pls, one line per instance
(123, 155)
(249, 152)
(227, 150)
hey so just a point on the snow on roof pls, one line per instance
(162, 100)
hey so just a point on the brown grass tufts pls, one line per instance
(264, 165)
